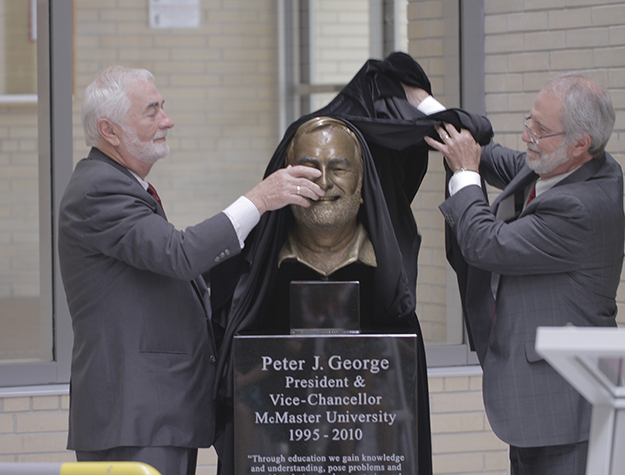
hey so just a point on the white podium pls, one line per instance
(592, 360)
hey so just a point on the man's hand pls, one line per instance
(460, 150)
(287, 186)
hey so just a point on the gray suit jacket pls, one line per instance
(143, 356)
(560, 262)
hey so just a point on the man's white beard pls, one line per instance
(147, 152)
(546, 163)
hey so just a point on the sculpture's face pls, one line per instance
(334, 153)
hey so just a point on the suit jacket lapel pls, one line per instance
(96, 154)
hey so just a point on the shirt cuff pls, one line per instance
(244, 216)
(429, 105)
(462, 179)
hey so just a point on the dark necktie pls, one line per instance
(154, 194)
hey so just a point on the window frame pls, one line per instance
(54, 86)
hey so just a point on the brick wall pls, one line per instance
(462, 440)
(34, 428)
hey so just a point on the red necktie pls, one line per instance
(531, 196)
(154, 194)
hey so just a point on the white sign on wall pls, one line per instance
(174, 14)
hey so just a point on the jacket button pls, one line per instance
(212, 358)
(217, 259)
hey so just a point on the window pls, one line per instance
(34, 322)
(26, 323)
(326, 42)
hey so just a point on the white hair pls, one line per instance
(586, 109)
(106, 97)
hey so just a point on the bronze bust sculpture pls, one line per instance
(327, 236)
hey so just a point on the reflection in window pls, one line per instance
(18, 54)
(339, 36)
(339, 44)
(26, 334)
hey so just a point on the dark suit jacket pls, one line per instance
(142, 363)
(560, 262)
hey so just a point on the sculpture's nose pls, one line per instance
(324, 180)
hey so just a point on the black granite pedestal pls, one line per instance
(308, 404)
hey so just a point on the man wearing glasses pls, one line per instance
(548, 252)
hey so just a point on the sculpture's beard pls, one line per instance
(328, 213)
(546, 163)
(147, 152)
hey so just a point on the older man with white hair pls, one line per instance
(143, 362)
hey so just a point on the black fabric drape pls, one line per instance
(395, 158)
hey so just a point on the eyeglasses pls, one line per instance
(534, 137)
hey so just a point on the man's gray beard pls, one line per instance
(328, 216)
(157, 152)
(146, 152)
(546, 163)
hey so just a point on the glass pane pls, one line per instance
(342, 38)
(339, 43)
(26, 333)
(18, 49)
